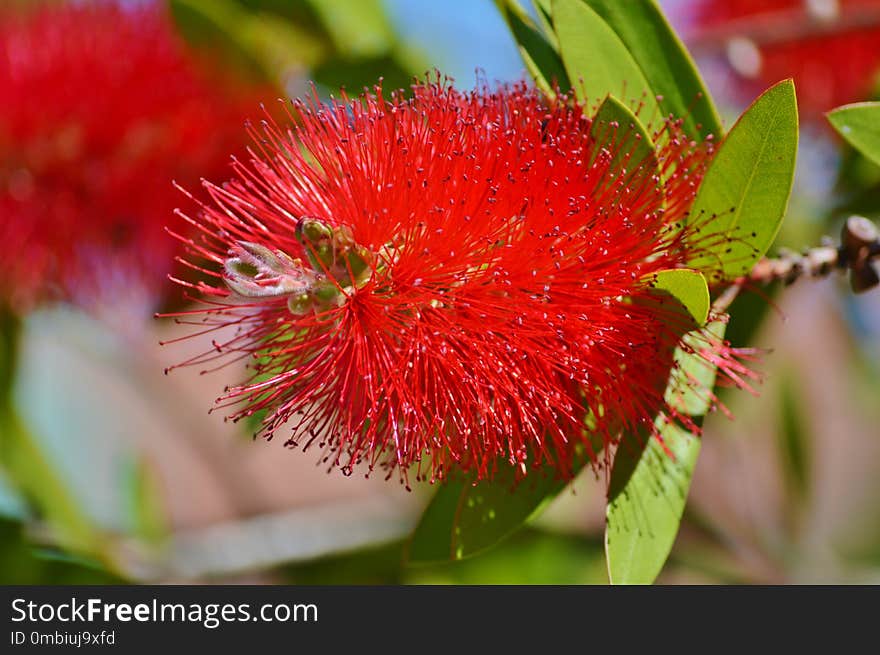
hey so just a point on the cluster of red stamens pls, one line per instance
(448, 281)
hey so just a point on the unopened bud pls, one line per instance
(317, 240)
(858, 233)
(300, 303)
(313, 230)
(255, 271)
(336, 264)
(335, 251)
(860, 239)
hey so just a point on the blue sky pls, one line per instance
(458, 36)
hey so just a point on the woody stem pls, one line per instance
(857, 254)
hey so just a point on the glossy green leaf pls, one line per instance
(635, 150)
(597, 61)
(530, 557)
(646, 499)
(545, 20)
(859, 125)
(663, 61)
(488, 513)
(745, 190)
(687, 287)
(650, 479)
(463, 519)
(432, 539)
(539, 54)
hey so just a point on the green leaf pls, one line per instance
(663, 61)
(539, 54)
(687, 287)
(490, 512)
(597, 61)
(545, 18)
(859, 125)
(648, 489)
(635, 150)
(646, 499)
(745, 190)
(463, 519)
(432, 539)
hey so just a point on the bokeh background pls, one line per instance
(114, 472)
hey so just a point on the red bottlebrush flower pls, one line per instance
(102, 107)
(455, 279)
(830, 47)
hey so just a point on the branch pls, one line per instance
(858, 254)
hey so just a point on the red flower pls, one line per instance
(454, 280)
(830, 47)
(102, 107)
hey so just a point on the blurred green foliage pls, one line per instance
(26, 466)
(23, 563)
(794, 444)
(529, 557)
(335, 43)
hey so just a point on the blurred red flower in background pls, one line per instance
(830, 47)
(102, 107)
(454, 280)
